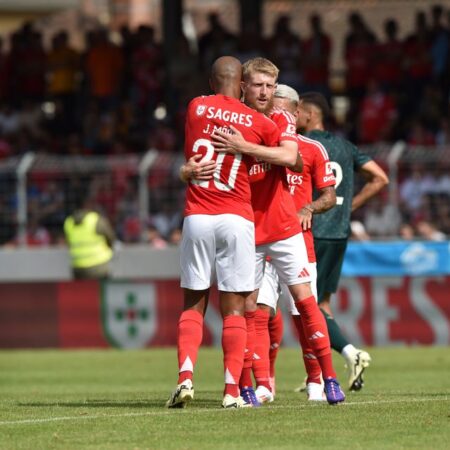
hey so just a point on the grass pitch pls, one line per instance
(113, 399)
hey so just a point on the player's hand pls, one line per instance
(305, 218)
(194, 169)
(228, 142)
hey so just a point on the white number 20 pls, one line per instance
(205, 143)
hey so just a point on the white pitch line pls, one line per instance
(209, 410)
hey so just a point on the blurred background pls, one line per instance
(93, 95)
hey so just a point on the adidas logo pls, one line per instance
(309, 356)
(303, 273)
(317, 335)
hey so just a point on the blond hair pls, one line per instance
(285, 91)
(259, 65)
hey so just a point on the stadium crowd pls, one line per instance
(116, 99)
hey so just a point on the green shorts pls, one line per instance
(330, 257)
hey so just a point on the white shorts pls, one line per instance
(272, 291)
(289, 257)
(218, 246)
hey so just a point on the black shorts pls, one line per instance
(330, 257)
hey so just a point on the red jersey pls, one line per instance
(229, 190)
(275, 214)
(316, 174)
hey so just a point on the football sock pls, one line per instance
(246, 376)
(337, 339)
(315, 329)
(261, 364)
(276, 335)
(190, 334)
(234, 338)
(312, 366)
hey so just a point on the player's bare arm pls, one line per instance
(376, 180)
(286, 154)
(325, 201)
(194, 169)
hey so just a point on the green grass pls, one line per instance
(114, 400)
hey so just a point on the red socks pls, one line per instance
(310, 361)
(261, 364)
(276, 335)
(190, 334)
(246, 376)
(316, 332)
(234, 339)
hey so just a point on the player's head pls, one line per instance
(313, 111)
(286, 98)
(259, 81)
(226, 75)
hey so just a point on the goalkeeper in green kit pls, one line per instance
(331, 229)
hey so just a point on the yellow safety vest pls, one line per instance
(87, 247)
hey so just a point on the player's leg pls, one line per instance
(313, 384)
(197, 252)
(276, 328)
(246, 382)
(190, 334)
(290, 258)
(234, 338)
(235, 268)
(267, 302)
(330, 257)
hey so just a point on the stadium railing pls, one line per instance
(37, 191)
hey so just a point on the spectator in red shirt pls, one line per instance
(389, 57)
(378, 114)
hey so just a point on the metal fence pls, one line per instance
(37, 192)
(142, 195)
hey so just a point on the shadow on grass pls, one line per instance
(210, 400)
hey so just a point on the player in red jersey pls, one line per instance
(316, 174)
(278, 234)
(259, 92)
(218, 230)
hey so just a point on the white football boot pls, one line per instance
(263, 395)
(182, 395)
(230, 402)
(357, 361)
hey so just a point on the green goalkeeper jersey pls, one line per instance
(345, 160)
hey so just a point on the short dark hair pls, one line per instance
(317, 99)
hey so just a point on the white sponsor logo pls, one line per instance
(294, 179)
(317, 335)
(229, 116)
(129, 313)
(418, 259)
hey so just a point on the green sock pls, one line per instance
(337, 339)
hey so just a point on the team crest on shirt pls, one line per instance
(290, 129)
(201, 110)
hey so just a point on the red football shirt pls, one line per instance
(316, 174)
(275, 214)
(229, 191)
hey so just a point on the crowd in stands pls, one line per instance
(107, 100)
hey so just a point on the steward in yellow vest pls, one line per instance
(90, 238)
